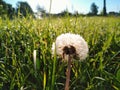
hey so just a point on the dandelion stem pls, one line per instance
(68, 73)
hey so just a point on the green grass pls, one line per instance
(20, 37)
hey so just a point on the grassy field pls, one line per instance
(20, 37)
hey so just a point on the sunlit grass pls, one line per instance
(20, 37)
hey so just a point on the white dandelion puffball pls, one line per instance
(69, 43)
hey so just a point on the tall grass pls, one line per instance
(20, 37)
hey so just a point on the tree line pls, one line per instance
(23, 9)
(6, 9)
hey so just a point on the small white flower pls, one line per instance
(53, 48)
(72, 44)
(34, 58)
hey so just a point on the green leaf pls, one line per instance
(118, 74)
(37, 64)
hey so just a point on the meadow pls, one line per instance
(20, 37)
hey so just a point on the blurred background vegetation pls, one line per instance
(23, 9)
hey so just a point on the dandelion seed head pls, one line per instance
(69, 43)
